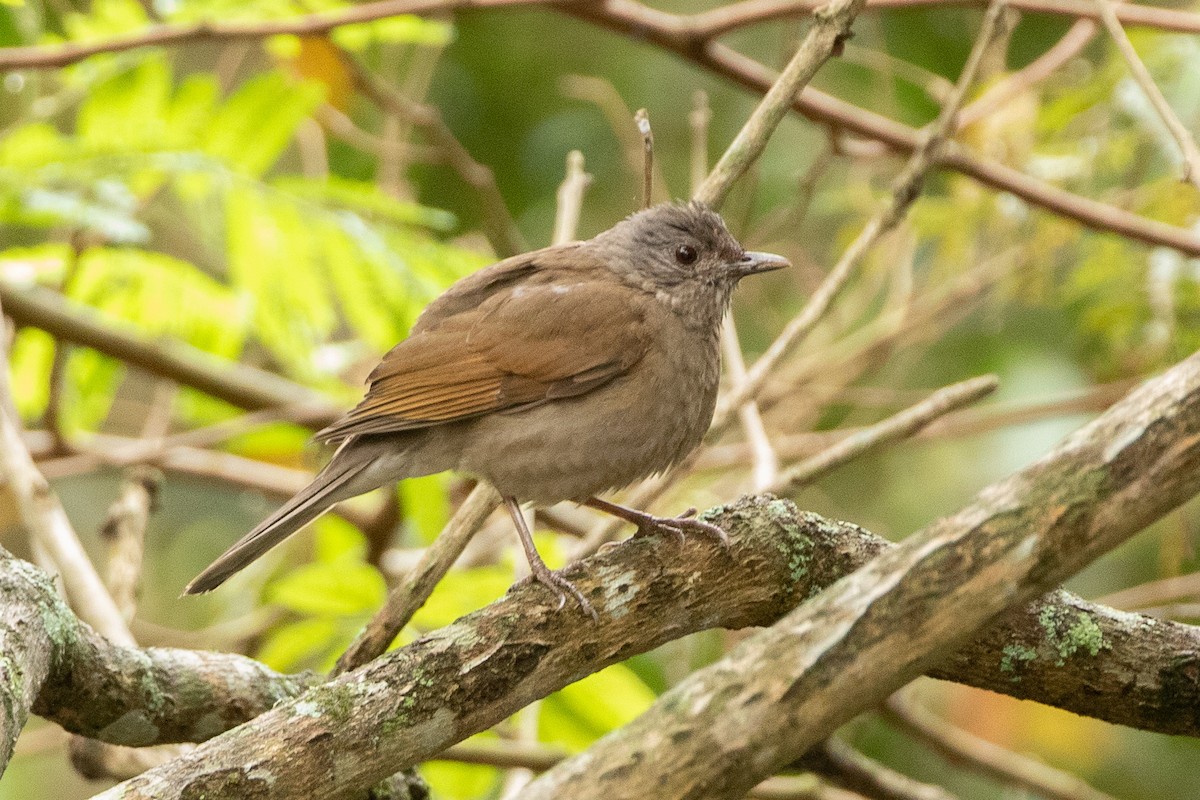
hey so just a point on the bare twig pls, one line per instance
(979, 755)
(1155, 593)
(766, 461)
(1179, 132)
(996, 96)
(241, 385)
(43, 516)
(60, 55)
(124, 530)
(894, 428)
(642, 120)
(698, 121)
(570, 199)
(540, 757)
(848, 767)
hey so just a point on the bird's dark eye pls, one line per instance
(685, 254)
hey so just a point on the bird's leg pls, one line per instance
(648, 523)
(538, 569)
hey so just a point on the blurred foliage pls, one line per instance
(207, 194)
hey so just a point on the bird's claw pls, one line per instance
(681, 526)
(561, 588)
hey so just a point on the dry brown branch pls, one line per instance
(967, 750)
(722, 20)
(238, 384)
(1179, 132)
(642, 120)
(412, 702)
(44, 57)
(674, 33)
(540, 757)
(124, 531)
(43, 516)
(842, 764)
(1155, 593)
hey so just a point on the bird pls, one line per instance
(559, 374)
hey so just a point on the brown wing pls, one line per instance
(553, 335)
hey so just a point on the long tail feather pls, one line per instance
(328, 488)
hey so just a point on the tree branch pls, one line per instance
(44, 57)
(411, 703)
(237, 384)
(63, 670)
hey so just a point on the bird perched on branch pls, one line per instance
(555, 375)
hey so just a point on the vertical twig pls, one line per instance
(642, 120)
(570, 199)
(698, 121)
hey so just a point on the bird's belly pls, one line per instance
(572, 448)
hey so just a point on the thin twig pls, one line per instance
(124, 530)
(540, 757)
(570, 199)
(850, 768)
(1143, 78)
(235, 383)
(766, 462)
(894, 428)
(409, 595)
(617, 113)
(642, 120)
(698, 121)
(965, 749)
(1155, 593)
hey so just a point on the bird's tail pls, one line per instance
(345, 476)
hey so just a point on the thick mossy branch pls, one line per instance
(413, 702)
(61, 669)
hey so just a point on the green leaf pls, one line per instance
(586, 710)
(426, 505)
(330, 588)
(290, 645)
(30, 359)
(128, 111)
(460, 592)
(253, 127)
(367, 198)
(273, 261)
(400, 29)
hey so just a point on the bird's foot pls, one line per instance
(682, 525)
(561, 587)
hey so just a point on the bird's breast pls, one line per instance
(638, 424)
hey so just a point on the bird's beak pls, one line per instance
(752, 263)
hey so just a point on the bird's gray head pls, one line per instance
(684, 254)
